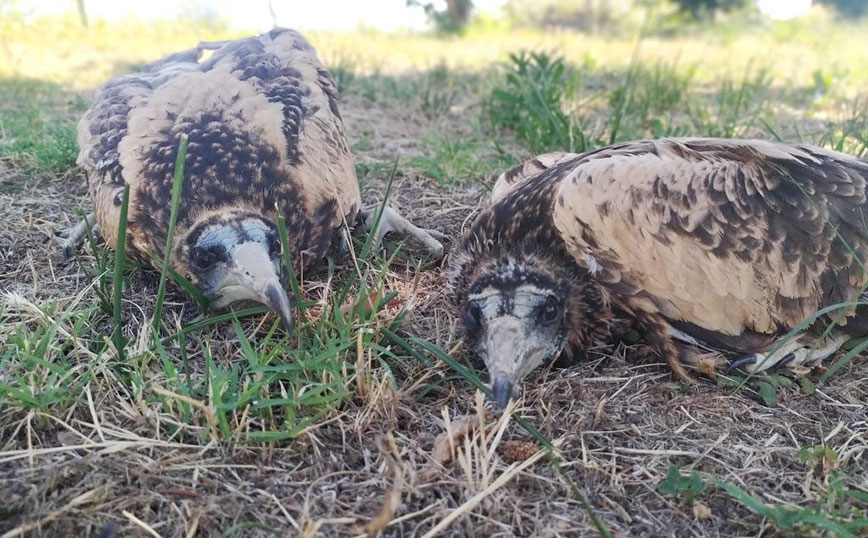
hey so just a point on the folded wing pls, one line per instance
(728, 235)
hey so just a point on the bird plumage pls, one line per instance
(726, 242)
(265, 139)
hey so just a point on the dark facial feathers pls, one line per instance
(737, 239)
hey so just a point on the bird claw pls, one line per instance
(436, 234)
(392, 221)
(741, 361)
(787, 359)
(73, 235)
(754, 358)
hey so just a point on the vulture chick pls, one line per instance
(265, 139)
(699, 244)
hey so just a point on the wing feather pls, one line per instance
(516, 176)
(728, 235)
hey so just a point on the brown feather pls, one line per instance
(729, 235)
(265, 137)
(732, 240)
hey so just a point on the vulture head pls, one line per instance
(520, 313)
(234, 256)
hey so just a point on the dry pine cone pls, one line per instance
(518, 450)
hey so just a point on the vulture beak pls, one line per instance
(275, 298)
(255, 273)
(501, 389)
(510, 353)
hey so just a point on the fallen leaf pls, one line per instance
(441, 454)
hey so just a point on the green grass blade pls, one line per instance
(188, 286)
(204, 322)
(177, 182)
(627, 95)
(847, 357)
(287, 257)
(118, 279)
(366, 248)
(798, 329)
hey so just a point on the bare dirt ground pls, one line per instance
(109, 465)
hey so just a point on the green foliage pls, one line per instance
(648, 101)
(529, 100)
(849, 135)
(42, 364)
(735, 109)
(342, 70)
(436, 91)
(818, 456)
(690, 486)
(454, 159)
(843, 523)
(37, 126)
(265, 386)
(281, 386)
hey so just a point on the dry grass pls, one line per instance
(114, 446)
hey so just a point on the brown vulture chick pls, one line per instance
(265, 139)
(699, 244)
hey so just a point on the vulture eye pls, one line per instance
(550, 311)
(205, 258)
(473, 318)
(273, 244)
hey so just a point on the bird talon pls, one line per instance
(788, 358)
(741, 361)
(437, 234)
(435, 249)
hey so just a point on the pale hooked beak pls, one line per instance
(504, 355)
(275, 298)
(510, 354)
(501, 390)
(254, 277)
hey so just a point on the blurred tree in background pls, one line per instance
(585, 15)
(450, 20)
(848, 8)
(452, 16)
(699, 9)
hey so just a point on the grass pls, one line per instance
(37, 125)
(450, 160)
(838, 508)
(119, 395)
(530, 102)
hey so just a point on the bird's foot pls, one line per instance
(392, 221)
(791, 354)
(74, 235)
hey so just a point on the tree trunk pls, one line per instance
(82, 14)
(459, 11)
